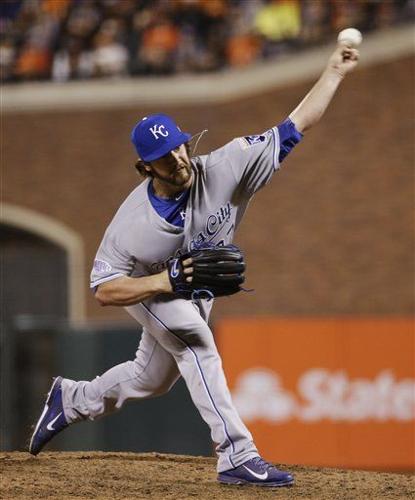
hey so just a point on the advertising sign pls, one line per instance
(334, 392)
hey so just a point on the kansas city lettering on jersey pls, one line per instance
(214, 224)
(215, 221)
(157, 267)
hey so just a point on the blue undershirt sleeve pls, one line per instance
(289, 137)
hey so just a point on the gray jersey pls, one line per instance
(139, 242)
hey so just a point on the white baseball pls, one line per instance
(350, 36)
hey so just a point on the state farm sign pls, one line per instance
(336, 392)
(259, 393)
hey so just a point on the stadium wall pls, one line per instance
(333, 232)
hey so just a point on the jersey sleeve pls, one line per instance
(255, 158)
(111, 261)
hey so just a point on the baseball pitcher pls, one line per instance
(165, 256)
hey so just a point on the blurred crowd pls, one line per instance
(64, 40)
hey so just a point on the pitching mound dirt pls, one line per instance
(134, 476)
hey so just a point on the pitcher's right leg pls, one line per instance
(180, 329)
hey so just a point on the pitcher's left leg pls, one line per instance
(179, 328)
(152, 373)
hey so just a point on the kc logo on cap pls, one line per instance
(160, 130)
(156, 135)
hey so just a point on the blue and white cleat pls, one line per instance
(256, 472)
(52, 421)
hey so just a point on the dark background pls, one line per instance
(331, 234)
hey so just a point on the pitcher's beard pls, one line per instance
(178, 178)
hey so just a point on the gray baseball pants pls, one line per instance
(176, 341)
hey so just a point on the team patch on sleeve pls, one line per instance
(101, 266)
(250, 140)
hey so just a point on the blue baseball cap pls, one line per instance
(156, 135)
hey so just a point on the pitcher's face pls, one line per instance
(174, 168)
